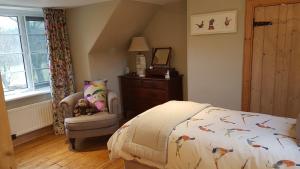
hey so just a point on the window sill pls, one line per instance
(26, 94)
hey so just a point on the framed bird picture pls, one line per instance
(213, 23)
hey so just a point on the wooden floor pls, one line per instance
(52, 152)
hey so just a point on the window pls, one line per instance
(38, 51)
(24, 62)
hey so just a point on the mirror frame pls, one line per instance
(168, 60)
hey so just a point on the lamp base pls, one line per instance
(140, 65)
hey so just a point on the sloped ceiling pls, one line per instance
(100, 35)
(65, 3)
(108, 55)
(84, 25)
(129, 19)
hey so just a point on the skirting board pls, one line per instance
(33, 135)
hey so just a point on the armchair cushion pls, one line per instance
(96, 93)
(95, 121)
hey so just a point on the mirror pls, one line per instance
(161, 57)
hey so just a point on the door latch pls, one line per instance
(262, 23)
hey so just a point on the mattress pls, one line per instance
(217, 138)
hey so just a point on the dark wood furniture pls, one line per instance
(140, 94)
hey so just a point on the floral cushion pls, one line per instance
(96, 93)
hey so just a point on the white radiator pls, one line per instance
(30, 118)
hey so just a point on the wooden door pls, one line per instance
(275, 83)
(6, 147)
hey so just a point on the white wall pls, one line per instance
(85, 24)
(168, 28)
(215, 61)
(109, 53)
(100, 35)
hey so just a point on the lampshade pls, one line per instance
(138, 44)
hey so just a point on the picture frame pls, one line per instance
(161, 57)
(214, 23)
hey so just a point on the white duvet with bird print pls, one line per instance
(217, 138)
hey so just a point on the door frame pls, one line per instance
(6, 146)
(248, 45)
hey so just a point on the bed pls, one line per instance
(188, 135)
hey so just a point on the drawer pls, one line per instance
(151, 94)
(155, 84)
(130, 83)
(139, 105)
(144, 94)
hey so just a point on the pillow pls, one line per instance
(96, 93)
(298, 130)
(83, 107)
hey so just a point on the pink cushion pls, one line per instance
(96, 93)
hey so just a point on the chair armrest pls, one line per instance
(113, 103)
(68, 103)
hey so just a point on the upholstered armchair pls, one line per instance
(99, 124)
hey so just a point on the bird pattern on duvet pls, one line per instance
(217, 138)
(285, 163)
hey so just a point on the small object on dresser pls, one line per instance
(167, 76)
(160, 72)
(127, 71)
(131, 74)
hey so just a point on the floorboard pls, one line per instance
(52, 152)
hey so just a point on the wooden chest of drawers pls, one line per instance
(140, 94)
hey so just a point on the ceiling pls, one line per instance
(65, 3)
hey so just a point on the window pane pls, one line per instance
(39, 51)
(41, 77)
(14, 80)
(35, 25)
(12, 71)
(37, 43)
(11, 63)
(39, 60)
(10, 44)
(9, 25)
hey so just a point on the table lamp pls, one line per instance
(139, 45)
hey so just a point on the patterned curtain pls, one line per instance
(62, 83)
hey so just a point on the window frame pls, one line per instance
(21, 43)
(21, 14)
(30, 52)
